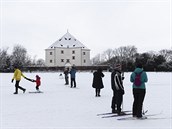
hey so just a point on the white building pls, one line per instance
(67, 51)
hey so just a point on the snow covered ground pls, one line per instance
(62, 107)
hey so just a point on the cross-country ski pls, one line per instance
(125, 113)
(109, 113)
(116, 115)
(146, 116)
(36, 92)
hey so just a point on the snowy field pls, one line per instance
(62, 107)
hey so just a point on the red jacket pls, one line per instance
(38, 80)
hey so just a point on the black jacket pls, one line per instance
(117, 81)
(97, 80)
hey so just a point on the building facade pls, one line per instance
(67, 51)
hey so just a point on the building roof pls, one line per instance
(67, 41)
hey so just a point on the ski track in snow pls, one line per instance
(62, 107)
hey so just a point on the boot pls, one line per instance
(24, 90)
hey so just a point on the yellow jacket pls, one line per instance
(17, 75)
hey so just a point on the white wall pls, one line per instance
(85, 58)
(49, 57)
(57, 56)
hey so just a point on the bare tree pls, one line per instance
(19, 55)
(107, 55)
(125, 53)
(40, 62)
(167, 54)
(96, 60)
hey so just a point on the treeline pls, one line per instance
(125, 55)
(19, 57)
(128, 55)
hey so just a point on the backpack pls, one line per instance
(137, 80)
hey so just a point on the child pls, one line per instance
(38, 82)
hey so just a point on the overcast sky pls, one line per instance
(98, 24)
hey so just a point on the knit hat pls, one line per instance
(117, 66)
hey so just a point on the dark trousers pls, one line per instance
(117, 101)
(37, 87)
(66, 79)
(97, 92)
(114, 104)
(139, 95)
(18, 87)
(73, 82)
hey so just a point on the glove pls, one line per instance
(12, 80)
(26, 78)
(123, 92)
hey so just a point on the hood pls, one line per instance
(138, 70)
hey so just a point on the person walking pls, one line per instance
(17, 76)
(73, 76)
(118, 89)
(66, 72)
(139, 90)
(97, 81)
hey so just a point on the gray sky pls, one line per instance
(98, 24)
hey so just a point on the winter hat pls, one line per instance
(139, 65)
(37, 77)
(15, 66)
(117, 66)
(99, 70)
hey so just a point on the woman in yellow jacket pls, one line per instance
(17, 77)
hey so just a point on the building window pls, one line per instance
(62, 60)
(73, 57)
(84, 61)
(67, 60)
(51, 61)
(73, 52)
(84, 53)
(51, 53)
(62, 52)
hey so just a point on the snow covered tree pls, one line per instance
(5, 62)
(19, 56)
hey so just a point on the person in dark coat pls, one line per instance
(97, 81)
(72, 77)
(66, 72)
(118, 89)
